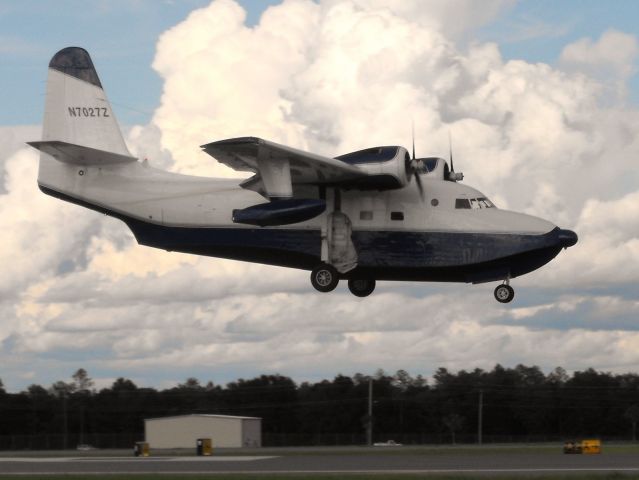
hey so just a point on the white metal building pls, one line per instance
(183, 431)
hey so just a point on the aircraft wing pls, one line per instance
(278, 167)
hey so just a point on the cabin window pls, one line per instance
(462, 203)
(397, 215)
(365, 215)
(434, 202)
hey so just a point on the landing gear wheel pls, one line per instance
(324, 278)
(504, 293)
(361, 287)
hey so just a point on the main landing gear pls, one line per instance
(325, 278)
(361, 287)
(504, 293)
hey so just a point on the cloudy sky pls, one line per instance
(541, 98)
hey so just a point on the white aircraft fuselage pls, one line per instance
(426, 229)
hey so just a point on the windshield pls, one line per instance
(426, 165)
(473, 203)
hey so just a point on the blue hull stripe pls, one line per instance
(383, 255)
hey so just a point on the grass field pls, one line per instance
(536, 448)
(532, 449)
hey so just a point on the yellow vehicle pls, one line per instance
(584, 446)
(141, 449)
(204, 447)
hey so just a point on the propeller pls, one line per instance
(414, 163)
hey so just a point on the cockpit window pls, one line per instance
(462, 203)
(427, 165)
(474, 203)
(485, 203)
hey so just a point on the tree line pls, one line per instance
(511, 404)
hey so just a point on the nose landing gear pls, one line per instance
(504, 293)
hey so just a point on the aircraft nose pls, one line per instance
(567, 238)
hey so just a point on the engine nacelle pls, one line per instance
(387, 167)
(280, 212)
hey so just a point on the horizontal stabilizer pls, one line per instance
(80, 155)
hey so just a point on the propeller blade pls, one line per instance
(420, 187)
(413, 124)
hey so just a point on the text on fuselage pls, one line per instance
(88, 112)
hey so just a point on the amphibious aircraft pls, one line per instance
(374, 214)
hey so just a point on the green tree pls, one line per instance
(123, 385)
(191, 383)
(453, 422)
(81, 381)
(61, 389)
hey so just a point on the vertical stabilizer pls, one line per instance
(77, 110)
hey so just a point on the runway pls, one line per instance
(332, 462)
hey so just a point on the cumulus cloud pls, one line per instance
(610, 243)
(39, 234)
(611, 58)
(331, 77)
(615, 51)
(455, 18)
(11, 140)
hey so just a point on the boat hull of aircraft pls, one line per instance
(383, 255)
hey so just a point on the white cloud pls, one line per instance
(11, 140)
(614, 51)
(612, 58)
(39, 234)
(453, 17)
(331, 77)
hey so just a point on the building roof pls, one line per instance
(206, 415)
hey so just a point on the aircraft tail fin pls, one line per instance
(78, 118)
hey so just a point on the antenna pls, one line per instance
(450, 152)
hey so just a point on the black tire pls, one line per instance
(504, 293)
(324, 278)
(361, 287)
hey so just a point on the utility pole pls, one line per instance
(480, 416)
(65, 419)
(82, 422)
(369, 423)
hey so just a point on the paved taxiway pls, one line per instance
(487, 463)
